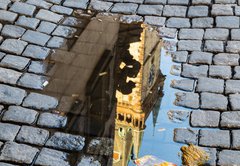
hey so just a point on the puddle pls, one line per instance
(113, 81)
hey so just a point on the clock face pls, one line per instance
(151, 75)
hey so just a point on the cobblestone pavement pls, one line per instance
(207, 56)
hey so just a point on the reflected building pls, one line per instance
(135, 105)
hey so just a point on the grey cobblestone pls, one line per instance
(50, 120)
(19, 153)
(66, 142)
(20, 115)
(100, 5)
(189, 45)
(187, 99)
(37, 67)
(216, 34)
(49, 16)
(235, 139)
(214, 138)
(154, 20)
(192, 34)
(227, 22)
(167, 32)
(175, 22)
(52, 157)
(6, 164)
(174, 11)
(230, 119)
(54, 1)
(228, 157)
(177, 2)
(39, 101)
(36, 52)
(56, 42)
(183, 84)
(226, 59)
(27, 22)
(197, 57)
(225, 1)
(201, 2)
(236, 74)
(162, 2)
(213, 46)
(150, 10)
(205, 118)
(4, 4)
(210, 85)
(235, 34)
(100, 146)
(183, 135)
(81, 4)
(15, 62)
(46, 27)
(36, 37)
(126, 8)
(13, 46)
(131, 18)
(233, 46)
(218, 101)
(221, 10)
(64, 31)
(23, 8)
(198, 11)
(40, 3)
(7, 16)
(234, 102)
(204, 22)
(34, 81)
(232, 86)
(11, 95)
(192, 71)
(88, 160)
(61, 9)
(32, 135)
(13, 31)
(10, 131)
(224, 72)
(180, 56)
(9, 76)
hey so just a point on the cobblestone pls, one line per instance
(46, 27)
(183, 84)
(64, 31)
(214, 138)
(162, 2)
(213, 46)
(189, 45)
(236, 74)
(167, 32)
(234, 101)
(205, 118)
(36, 37)
(36, 52)
(32, 135)
(232, 86)
(39, 101)
(192, 71)
(10, 131)
(227, 22)
(101, 146)
(49, 16)
(192, 34)
(187, 99)
(174, 11)
(221, 10)
(210, 85)
(81, 4)
(23, 8)
(175, 22)
(197, 57)
(66, 142)
(150, 10)
(56, 42)
(7, 16)
(19, 153)
(37, 67)
(177, 2)
(28, 22)
(100, 5)
(15, 62)
(13, 31)
(218, 101)
(4, 4)
(61, 10)
(230, 119)
(13, 46)
(50, 120)
(216, 34)
(180, 56)
(235, 34)
(153, 20)
(198, 11)
(233, 46)
(228, 157)
(126, 8)
(11, 95)
(235, 139)
(88, 160)
(224, 72)
(205, 22)
(52, 157)
(34, 81)
(131, 18)
(9, 76)
(226, 59)
(40, 3)
(183, 135)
